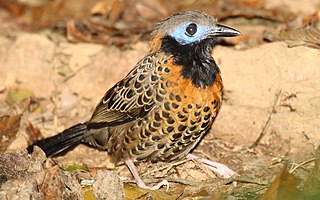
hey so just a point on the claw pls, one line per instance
(134, 171)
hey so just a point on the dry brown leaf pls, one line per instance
(151, 10)
(33, 133)
(57, 12)
(13, 7)
(117, 22)
(311, 19)
(284, 187)
(223, 9)
(9, 126)
(75, 35)
(251, 3)
(112, 9)
(304, 31)
(307, 36)
(12, 121)
(304, 36)
(58, 184)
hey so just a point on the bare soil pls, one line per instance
(269, 120)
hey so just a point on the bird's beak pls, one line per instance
(223, 31)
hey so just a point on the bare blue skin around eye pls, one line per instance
(179, 33)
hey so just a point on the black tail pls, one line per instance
(62, 142)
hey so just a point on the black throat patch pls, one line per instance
(196, 60)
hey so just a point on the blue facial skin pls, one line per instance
(179, 33)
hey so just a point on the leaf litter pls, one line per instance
(124, 24)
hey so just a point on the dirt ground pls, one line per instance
(268, 129)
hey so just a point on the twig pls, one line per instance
(66, 79)
(216, 183)
(265, 128)
(300, 164)
(250, 181)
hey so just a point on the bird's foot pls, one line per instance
(134, 171)
(217, 168)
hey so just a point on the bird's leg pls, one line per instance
(134, 171)
(218, 168)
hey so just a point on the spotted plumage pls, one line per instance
(163, 115)
(165, 104)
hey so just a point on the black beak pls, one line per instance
(223, 31)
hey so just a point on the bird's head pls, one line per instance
(188, 37)
(189, 27)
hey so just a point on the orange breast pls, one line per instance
(189, 93)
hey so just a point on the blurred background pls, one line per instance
(59, 57)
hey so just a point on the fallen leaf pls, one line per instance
(75, 166)
(303, 36)
(88, 193)
(284, 187)
(302, 32)
(33, 133)
(58, 184)
(151, 10)
(75, 34)
(56, 13)
(9, 126)
(311, 19)
(111, 9)
(16, 95)
(15, 8)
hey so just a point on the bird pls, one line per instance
(164, 106)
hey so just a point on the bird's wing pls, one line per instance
(131, 98)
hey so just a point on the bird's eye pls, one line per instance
(191, 29)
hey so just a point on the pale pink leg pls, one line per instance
(134, 171)
(218, 168)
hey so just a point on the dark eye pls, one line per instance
(191, 29)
